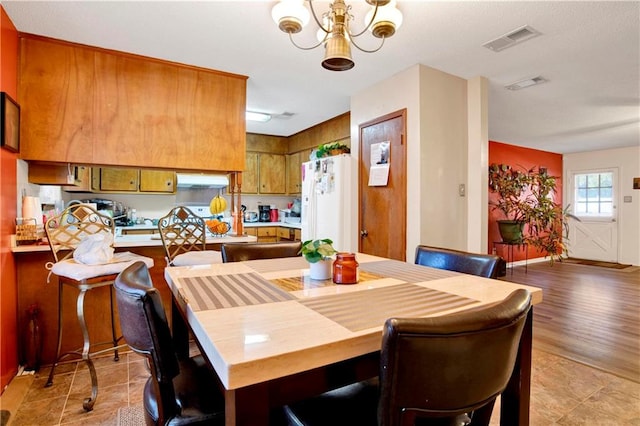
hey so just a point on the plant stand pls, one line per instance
(509, 248)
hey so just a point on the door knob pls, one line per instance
(364, 233)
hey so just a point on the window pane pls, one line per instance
(581, 181)
(581, 194)
(605, 194)
(593, 195)
(606, 179)
(592, 208)
(606, 208)
(593, 180)
(581, 208)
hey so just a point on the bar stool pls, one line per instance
(78, 224)
(184, 238)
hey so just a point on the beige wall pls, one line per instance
(438, 108)
(627, 161)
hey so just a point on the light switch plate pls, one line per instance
(627, 198)
(461, 190)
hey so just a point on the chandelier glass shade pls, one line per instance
(382, 20)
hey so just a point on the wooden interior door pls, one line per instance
(383, 209)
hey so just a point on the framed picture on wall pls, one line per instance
(9, 123)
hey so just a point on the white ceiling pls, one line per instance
(588, 51)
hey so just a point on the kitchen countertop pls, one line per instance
(150, 227)
(140, 240)
(151, 240)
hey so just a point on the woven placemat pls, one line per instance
(228, 291)
(369, 308)
(303, 282)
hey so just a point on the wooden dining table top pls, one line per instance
(260, 320)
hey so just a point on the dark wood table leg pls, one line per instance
(515, 402)
(179, 330)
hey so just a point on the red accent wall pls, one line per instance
(526, 158)
(8, 185)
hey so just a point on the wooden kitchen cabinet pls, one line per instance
(157, 181)
(118, 179)
(56, 93)
(267, 234)
(87, 105)
(264, 173)
(289, 234)
(250, 174)
(272, 174)
(294, 182)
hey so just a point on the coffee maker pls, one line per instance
(264, 213)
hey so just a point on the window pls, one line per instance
(593, 194)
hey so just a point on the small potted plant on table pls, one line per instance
(318, 253)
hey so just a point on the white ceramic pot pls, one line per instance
(320, 270)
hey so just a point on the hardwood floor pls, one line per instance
(589, 314)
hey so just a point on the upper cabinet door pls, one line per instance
(272, 174)
(87, 105)
(168, 116)
(56, 102)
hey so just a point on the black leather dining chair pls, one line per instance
(483, 265)
(445, 370)
(238, 252)
(179, 392)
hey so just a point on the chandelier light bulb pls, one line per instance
(290, 15)
(388, 19)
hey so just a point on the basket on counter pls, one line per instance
(27, 231)
(217, 227)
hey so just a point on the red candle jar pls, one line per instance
(345, 269)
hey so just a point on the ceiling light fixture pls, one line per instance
(525, 83)
(257, 116)
(335, 32)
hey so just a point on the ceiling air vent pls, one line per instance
(525, 83)
(512, 38)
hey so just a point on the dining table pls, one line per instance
(274, 336)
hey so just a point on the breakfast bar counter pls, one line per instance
(35, 286)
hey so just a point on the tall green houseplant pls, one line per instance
(525, 197)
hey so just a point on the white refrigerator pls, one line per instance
(326, 201)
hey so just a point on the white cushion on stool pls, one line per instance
(198, 257)
(79, 271)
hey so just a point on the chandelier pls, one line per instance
(335, 27)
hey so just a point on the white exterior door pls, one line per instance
(593, 201)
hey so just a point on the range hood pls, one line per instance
(196, 180)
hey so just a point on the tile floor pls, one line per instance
(563, 393)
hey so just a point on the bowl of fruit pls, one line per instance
(217, 227)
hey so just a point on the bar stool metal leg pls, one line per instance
(85, 353)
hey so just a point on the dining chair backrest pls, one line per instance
(238, 252)
(483, 265)
(449, 365)
(145, 329)
(181, 231)
(179, 391)
(66, 230)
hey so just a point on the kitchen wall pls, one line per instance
(8, 287)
